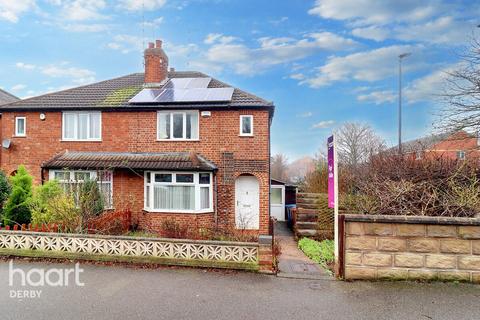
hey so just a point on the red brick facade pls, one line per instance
(136, 131)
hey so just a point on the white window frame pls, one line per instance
(18, 134)
(77, 114)
(196, 183)
(170, 113)
(461, 152)
(242, 134)
(93, 176)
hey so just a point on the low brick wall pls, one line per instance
(413, 248)
(219, 254)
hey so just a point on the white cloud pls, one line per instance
(22, 65)
(307, 114)
(245, 60)
(427, 88)
(80, 27)
(126, 43)
(154, 23)
(18, 87)
(61, 70)
(64, 70)
(378, 97)
(323, 124)
(10, 10)
(371, 32)
(81, 10)
(368, 66)
(363, 12)
(443, 30)
(297, 76)
(137, 5)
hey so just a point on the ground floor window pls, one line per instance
(178, 191)
(72, 181)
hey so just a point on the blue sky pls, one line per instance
(322, 62)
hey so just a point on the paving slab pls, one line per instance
(292, 262)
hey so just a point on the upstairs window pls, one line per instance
(461, 155)
(20, 126)
(81, 126)
(177, 125)
(246, 125)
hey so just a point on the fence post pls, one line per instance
(265, 254)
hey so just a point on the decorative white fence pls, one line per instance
(206, 251)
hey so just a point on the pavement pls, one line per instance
(292, 262)
(116, 292)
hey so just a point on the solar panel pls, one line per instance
(187, 83)
(175, 95)
(146, 95)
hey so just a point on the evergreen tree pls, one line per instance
(17, 207)
(5, 188)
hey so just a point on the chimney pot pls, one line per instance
(151, 45)
(159, 43)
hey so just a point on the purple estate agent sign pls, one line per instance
(331, 173)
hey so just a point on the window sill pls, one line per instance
(15, 136)
(178, 140)
(246, 135)
(145, 210)
(73, 140)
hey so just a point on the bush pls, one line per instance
(17, 207)
(91, 201)
(322, 252)
(5, 188)
(393, 185)
(50, 204)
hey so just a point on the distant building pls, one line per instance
(459, 145)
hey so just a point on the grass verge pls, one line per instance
(322, 252)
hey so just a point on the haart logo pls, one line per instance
(39, 277)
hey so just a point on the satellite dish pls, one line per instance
(6, 143)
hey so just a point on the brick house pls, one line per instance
(165, 144)
(6, 97)
(459, 145)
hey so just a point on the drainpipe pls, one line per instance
(215, 193)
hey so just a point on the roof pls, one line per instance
(6, 97)
(428, 142)
(115, 93)
(128, 160)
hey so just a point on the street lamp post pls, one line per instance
(400, 58)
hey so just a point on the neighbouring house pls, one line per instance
(167, 144)
(459, 145)
(6, 97)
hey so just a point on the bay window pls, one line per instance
(178, 192)
(72, 180)
(82, 126)
(177, 125)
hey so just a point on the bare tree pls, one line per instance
(462, 93)
(356, 143)
(279, 167)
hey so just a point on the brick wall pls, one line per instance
(396, 247)
(136, 132)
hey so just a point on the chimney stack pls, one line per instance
(156, 64)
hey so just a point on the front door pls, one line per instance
(277, 202)
(247, 212)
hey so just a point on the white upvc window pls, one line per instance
(82, 126)
(180, 192)
(72, 180)
(461, 155)
(246, 125)
(177, 125)
(20, 126)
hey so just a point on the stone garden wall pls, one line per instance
(403, 247)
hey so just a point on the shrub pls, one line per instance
(91, 201)
(17, 207)
(322, 252)
(50, 204)
(5, 188)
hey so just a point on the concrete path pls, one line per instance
(292, 262)
(119, 293)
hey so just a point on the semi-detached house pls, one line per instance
(166, 144)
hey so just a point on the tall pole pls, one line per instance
(400, 104)
(400, 57)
